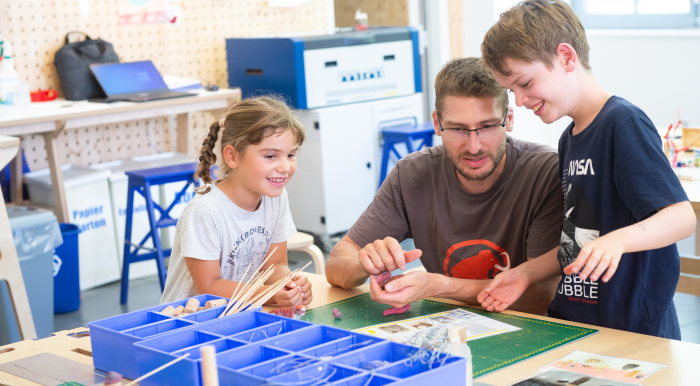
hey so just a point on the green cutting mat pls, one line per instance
(488, 354)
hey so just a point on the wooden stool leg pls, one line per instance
(11, 271)
(317, 257)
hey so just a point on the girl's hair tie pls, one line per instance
(221, 122)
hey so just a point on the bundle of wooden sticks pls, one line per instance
(246, 297)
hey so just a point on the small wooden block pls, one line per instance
(169, 310)
(192, 306)
(215, 303)
(457, 334)
(691, 137)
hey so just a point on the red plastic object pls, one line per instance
(43, 95)
(392, 311)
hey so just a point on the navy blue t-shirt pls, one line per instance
(614, 174)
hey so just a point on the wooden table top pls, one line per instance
(61, 109)
(680, 357)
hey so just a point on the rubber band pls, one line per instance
(253, 334)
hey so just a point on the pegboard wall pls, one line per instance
(384, 12)
(195, 48)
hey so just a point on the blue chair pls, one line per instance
(406, 135)
(141, 181)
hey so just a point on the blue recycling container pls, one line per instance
(66, 272)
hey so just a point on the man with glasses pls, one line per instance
(478, 207)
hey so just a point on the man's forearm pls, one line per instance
(343, 268)
(463, 290)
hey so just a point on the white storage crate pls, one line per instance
(90, 208)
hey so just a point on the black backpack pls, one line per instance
(73, 66)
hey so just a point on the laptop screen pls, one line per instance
(124, 78)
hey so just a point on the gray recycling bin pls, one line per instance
(36, 234)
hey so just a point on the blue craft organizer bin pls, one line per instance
(256, 348)
(113, 338)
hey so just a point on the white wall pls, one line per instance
(655, 69)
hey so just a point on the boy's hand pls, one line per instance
(304, 286)
(601, 254)
(503, 291)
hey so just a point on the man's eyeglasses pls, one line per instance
(484, 132)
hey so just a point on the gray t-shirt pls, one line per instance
(470, 236)
(212, 227)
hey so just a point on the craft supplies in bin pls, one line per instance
(118, 184)
(257, 348)
(113, 338)
(90, 208)
(36, 234)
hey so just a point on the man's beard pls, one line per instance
(463, 171)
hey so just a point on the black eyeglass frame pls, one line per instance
(442, 129)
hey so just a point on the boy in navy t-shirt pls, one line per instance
(624, 206)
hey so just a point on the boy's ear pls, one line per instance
(509, 122)
(231, 156)
(567, 56)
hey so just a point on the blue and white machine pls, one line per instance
(349, 86)
(320, 71)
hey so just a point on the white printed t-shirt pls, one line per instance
(212, 227)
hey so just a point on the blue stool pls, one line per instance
(141, 181)
(404, 134)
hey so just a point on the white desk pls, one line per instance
(51, 118)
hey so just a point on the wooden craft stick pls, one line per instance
(169, 310)
(240, 304)
(214, 303)
(253, 276)
(272, 291)
(231, 302)
(141, 378)
(258, 296)
(210, 374)
(191, 306)
(252, 287)
(236, 294)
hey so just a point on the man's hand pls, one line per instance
(601, 254)
(385, 256)
(409, 288)
(504, 290)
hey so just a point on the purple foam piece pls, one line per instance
(113, 378)
(337, 314)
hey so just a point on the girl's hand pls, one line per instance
(601, 254)
(289, 296)
(304, 286)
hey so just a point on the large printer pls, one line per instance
(348, 86)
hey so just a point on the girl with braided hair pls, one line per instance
(236, 220)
